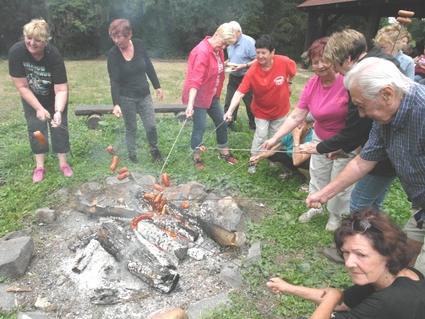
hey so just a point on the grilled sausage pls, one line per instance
(114, 163)
(41, 139)
(165, 180)
(404, 20)
(123, 175)
(405, 13)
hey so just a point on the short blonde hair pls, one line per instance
(225, 32)
(344, 44)
(391, 35)
(37, 28)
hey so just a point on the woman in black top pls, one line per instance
(128, 65)
(38, 72)
(375, 255)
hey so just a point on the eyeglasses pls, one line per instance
(362, 225)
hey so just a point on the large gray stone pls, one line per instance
(7, 299)
(254, 254)
(224, 212)
(190, 191)
(204, 306)
(15, 256)
(32, 315)
(231, 275)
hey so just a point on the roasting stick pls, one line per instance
(172, 147)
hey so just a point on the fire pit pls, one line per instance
(127, 248)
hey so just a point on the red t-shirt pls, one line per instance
(270, 88)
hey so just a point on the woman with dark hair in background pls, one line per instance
(38, 72)
(128, 65)
(375, 255)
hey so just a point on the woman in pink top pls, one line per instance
(202, 89)
(325, 97)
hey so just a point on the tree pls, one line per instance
(78, 25)
(13, 15)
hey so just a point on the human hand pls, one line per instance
(315, 200)
(228, 117)
(57, 119)
(337, 154)
(117, 111)
(189, 111)
(43, 114)
(309, 148)
(268, 144)
(277, 285)
(159, 94)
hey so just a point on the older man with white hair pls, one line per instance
(397, 106)
(241, 55)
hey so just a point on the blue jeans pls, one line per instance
(199, 122)
(369, 192)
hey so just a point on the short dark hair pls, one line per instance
(120, 26)
(386, 237)
(265, 41)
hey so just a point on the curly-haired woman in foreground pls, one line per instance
(375, 255)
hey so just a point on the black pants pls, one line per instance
(287, 161)
(232, 86)
(59, 135)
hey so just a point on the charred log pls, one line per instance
(142, 258)
(166, 241)
(84, 256)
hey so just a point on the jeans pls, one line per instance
(232, 86)
(143, 106)
(59, 135)
(199, 122)
(369, 192)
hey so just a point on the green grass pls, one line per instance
(289, 248)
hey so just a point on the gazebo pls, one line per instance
(322, 14)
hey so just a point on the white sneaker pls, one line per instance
(333, 223)
(308, 215)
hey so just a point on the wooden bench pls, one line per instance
(95, 112)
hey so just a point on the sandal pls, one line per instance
(229, 158)
(199, 164)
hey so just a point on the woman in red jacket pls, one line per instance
(202, 89)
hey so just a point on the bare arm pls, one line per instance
(298, 135)
(328, 299)
(355, 170)
(192, 95)
(294, 119)
(25, 92)
(61, 98)
(236, 99)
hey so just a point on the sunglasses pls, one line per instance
(363, 225)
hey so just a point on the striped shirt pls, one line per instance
(403, 142)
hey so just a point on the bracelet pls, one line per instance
(247, 65)
(296, 145)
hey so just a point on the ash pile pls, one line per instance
(151, 228)
(126, 248)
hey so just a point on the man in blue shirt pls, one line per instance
(241, 55)
(397, 106)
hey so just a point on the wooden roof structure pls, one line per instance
(322, 13)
